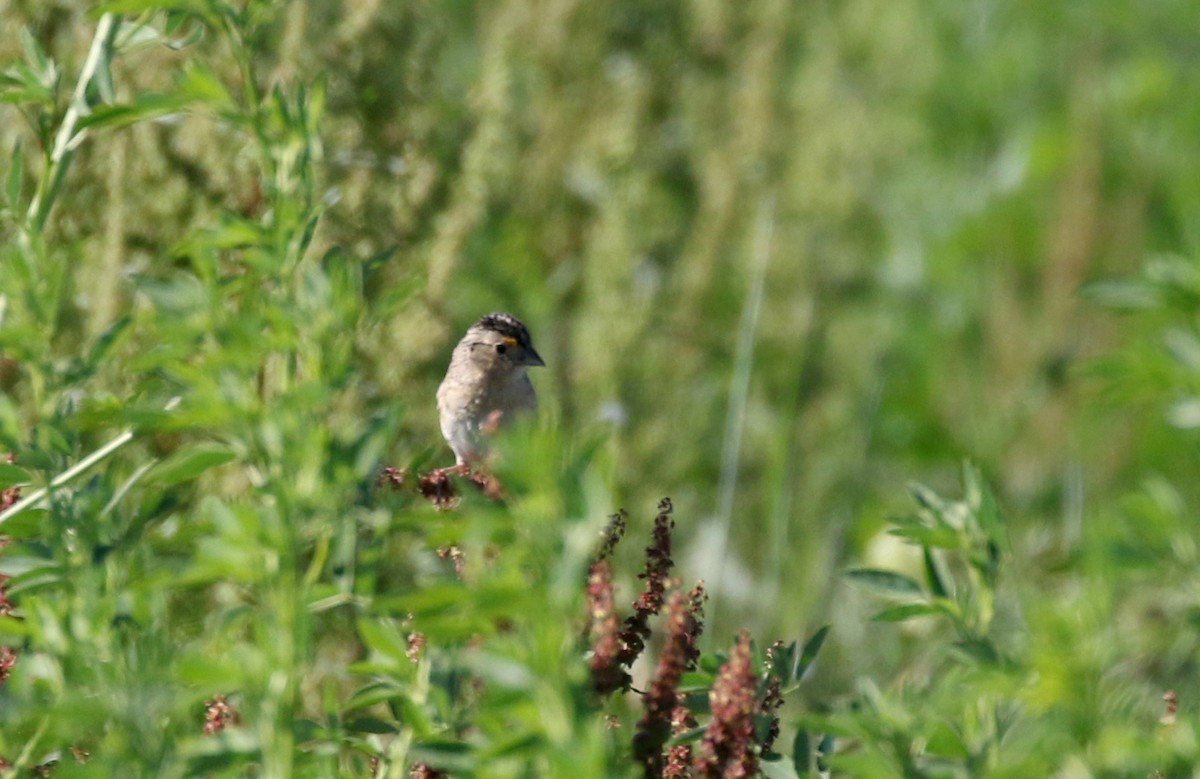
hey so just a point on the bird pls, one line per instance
(486, 385)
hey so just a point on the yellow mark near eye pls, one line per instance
(510, 341)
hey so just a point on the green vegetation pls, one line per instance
(784, 262)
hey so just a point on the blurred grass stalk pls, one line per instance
(735, 420)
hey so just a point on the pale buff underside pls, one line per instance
(465, 402)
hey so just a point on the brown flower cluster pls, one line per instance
(5, 604)
(1172, 700)
(457, 558)
(772, 697)
(423, 771)
(661, 701)
(607, 674)
(727, 751)
(12, 494)
(613, 534)
(614, 649)
(679, 757)
(636, 629)
(416, 647)
(731, 746)
(437, 486)
(218, 715)
(8, 657)
(393, 477)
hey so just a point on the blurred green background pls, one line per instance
(781, 258)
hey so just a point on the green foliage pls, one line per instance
(1023, 693)
(779, 257)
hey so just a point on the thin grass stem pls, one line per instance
(66, 139)
(739, 392)
(38, 495)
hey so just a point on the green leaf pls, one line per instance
(174, 22)
(13, 476)
(825, 751)
(14, 180)
(784, 663)
(104, 342)
(30, 523)
(885, 582)
(809, 653)
(691, 735)
(310, 228)
(428, 601)
(410, 713)
(927, 498)
(1123, 294)
(501, 672)
(370, 725)
(979, 650)
(201, 84)
(932, 574)
(40, 65)
(905, 611)
(874, 763)
(29, 574)
(371, 695)
(146, 106)
(914, 530)
(515, 745)
(382, 636)
(802, 752)
(983, 503)
(179, 295)
(948, 607)
(450, 756)
(945, 742)
(20, 86)
(13, 630)
(188, 464)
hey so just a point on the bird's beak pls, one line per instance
(533, 359)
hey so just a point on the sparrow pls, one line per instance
(487, 384)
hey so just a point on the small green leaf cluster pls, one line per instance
(1007, 684)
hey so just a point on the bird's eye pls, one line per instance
(501, 348)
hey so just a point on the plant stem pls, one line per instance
(66, 139)
(38, 495)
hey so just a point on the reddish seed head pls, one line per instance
(658, 568)
(660, 702)
(679, 757)
(727, 749)
(5, 603)
(392, 477)
(8, 659)
(1172, 700)
(12, 494)
(607, 674)
(416, 646)
(218, 714)
(613, 533)
(456, 556)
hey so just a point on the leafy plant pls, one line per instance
(781, 256)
